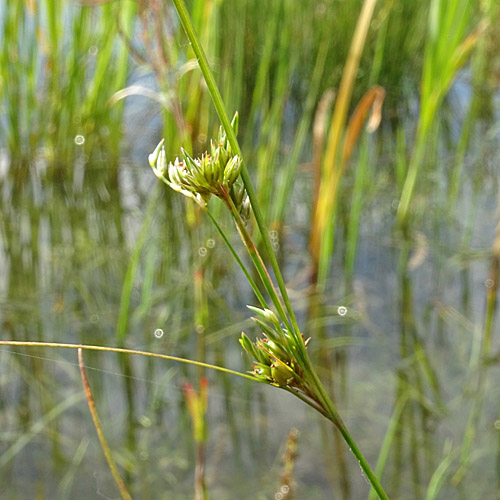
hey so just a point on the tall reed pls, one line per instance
(59, 65)
(338, 150)
(446, 51)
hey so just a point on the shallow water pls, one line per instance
(410, 333)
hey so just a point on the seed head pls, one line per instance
(213, 173)
(274, 354)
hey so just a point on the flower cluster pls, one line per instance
(275, 353)
(214, 173)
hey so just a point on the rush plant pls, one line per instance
(280, 356)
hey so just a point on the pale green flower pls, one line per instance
(198, 178)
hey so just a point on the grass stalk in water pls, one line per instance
(98, 426)
(322, 230)
(280, 356)
(447, 50)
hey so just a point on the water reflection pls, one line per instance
(407, 345)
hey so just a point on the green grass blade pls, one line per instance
(39, 426)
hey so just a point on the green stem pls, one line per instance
(324, 400)
(333, 415)
(363, 463)
(388, 439)
(326, 406)
(307, 401)
(223, 116)
(91, 347)
(247, 240)
(239, 261)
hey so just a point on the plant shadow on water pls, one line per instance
(94, 251)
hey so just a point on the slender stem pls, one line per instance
(256, 257)
(324, 400)
(126, 351)
(239, 261)
(362, 462)
(389, 437)
(223, 116)
(100, 433)
(307, 401)
(333, 415)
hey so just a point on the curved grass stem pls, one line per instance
(100, 433)
(90, 347)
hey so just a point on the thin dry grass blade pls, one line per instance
(319, 133)
(98, 427)
(333, 167)
(373, 99)
(492, 284)
(462, 52)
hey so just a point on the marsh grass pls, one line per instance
(448, 47)
(55, 82)
(322, 232)
(280, 357)
(277, 94)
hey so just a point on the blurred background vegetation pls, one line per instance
(400, 303)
